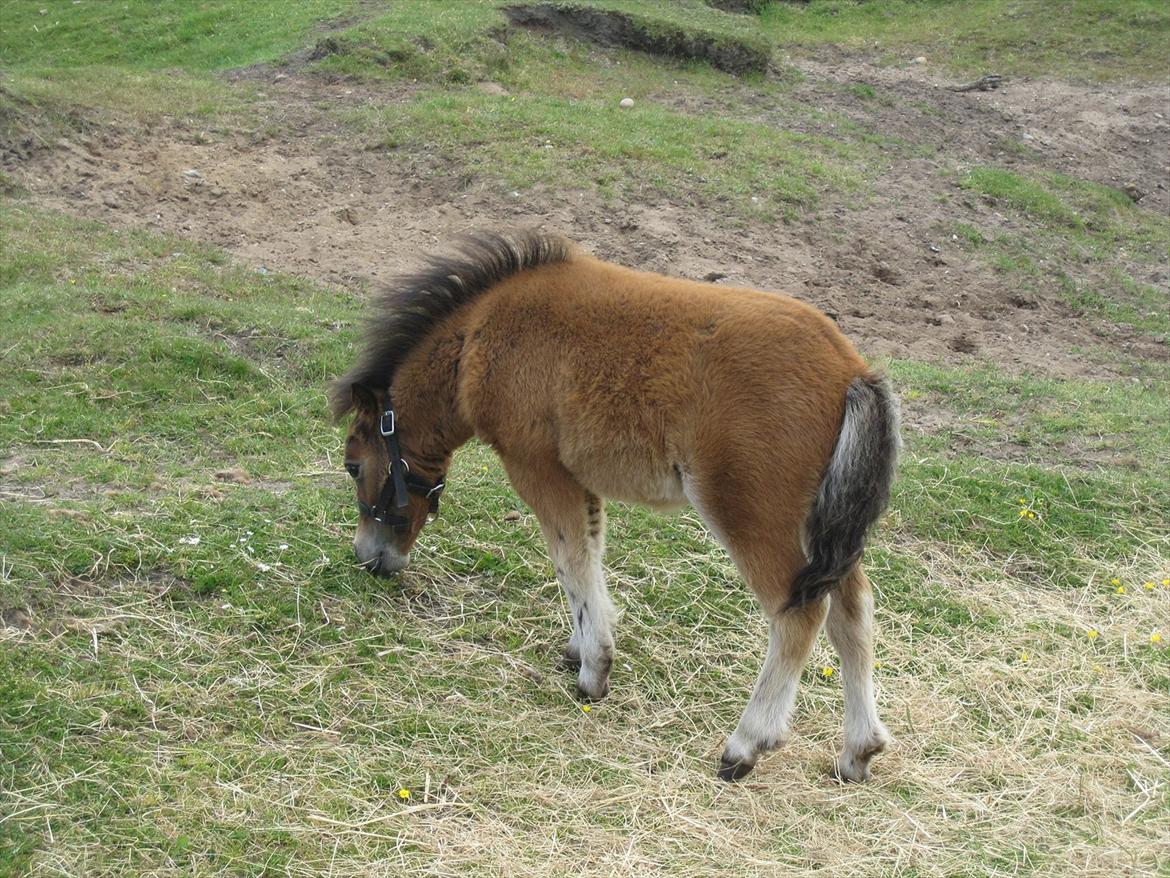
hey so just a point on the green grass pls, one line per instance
(1095, 40)
(532, 139)
(150, 35)
(1073, 222)
(211, 687)
(139, 59)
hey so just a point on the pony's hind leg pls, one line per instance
(763, 540)
(573, 522)
(850, 630)
(764, 724)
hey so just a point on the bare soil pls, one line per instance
(304, 197)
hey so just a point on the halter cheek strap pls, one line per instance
(399, 481)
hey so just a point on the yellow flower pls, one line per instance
(1031, 514)
(1120, 589)
(877, 666)
(585, 708)
(1092, 634)
(1024, 656)
(1098, 668)
(1149, 586)
(826, 672)
(1156, 637)
(1115, 581)
(1023, 502)
(404, 794)
(1166, 582)
(1023, 513)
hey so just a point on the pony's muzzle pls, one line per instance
(380, 560)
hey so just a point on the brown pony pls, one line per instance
(590, 381)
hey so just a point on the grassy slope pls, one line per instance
(138, 58)
(1094, 40)
(249, 704)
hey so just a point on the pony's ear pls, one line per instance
(364, 398)
(347, 396)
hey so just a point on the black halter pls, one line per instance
(399, 481)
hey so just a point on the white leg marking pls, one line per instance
(850, 630)
(577, 559)
(764, 724)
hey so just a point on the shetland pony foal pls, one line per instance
(590, 381)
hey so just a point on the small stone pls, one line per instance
(280, 77)
(512, 516)
(626, 103)
(713, 276)
(921, 59)
(1133, 192)
(236, 474)
(192, 174)
(945, 319)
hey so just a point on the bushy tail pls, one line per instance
(854, 490)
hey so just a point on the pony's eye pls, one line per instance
(352, 469)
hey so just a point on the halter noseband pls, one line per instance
(399, 481)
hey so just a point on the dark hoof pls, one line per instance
(733, 771)
(855, 769)
(848, 774)
(586, 695)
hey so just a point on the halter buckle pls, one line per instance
(382, 428)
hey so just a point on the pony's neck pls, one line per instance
(425, 392)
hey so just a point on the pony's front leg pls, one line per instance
(573, 522)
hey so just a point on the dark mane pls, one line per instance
(411, 304)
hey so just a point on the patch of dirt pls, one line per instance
(237, 475)
(17, 618)
(1117, 135)
(311, 201)
(617, 29)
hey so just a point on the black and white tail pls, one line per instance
(854, 490)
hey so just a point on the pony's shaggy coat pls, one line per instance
(591, 380)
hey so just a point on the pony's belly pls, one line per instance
(659, 490)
